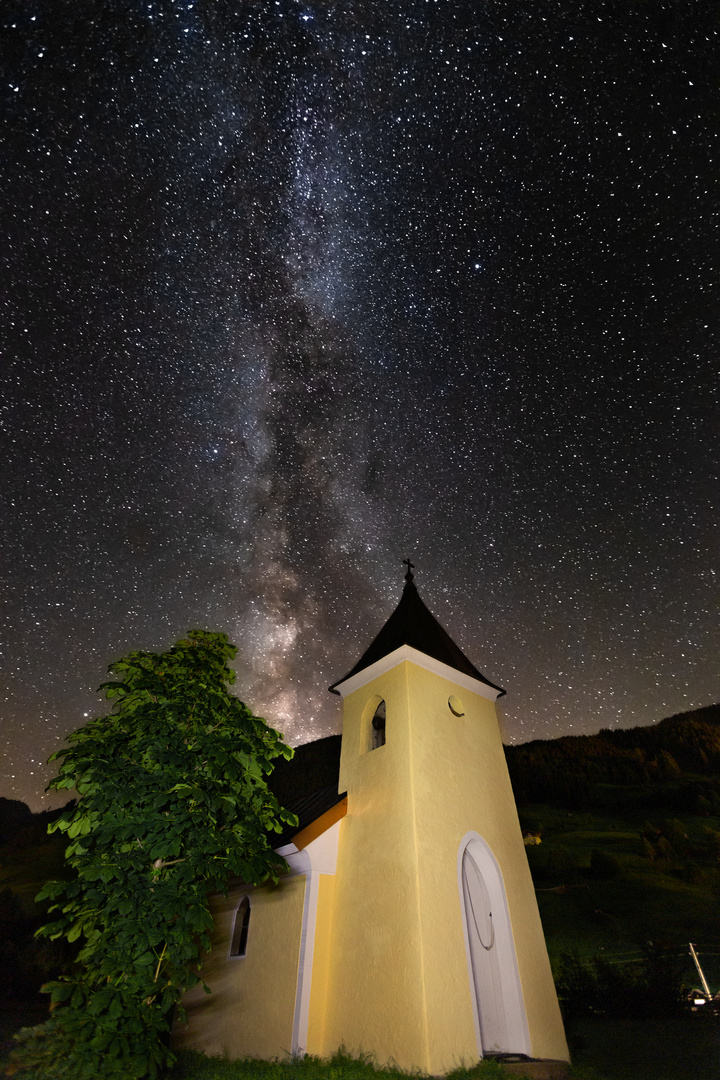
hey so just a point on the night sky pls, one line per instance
(293, 291)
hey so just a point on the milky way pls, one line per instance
(293, 291)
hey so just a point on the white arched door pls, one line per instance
(500, 1021)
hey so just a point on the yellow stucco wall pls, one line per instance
(251, 1008)
(399, 982)
(389, 970)
(461, 784)
(376, 981)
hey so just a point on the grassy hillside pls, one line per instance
(610, 883)
(629, 830)
(673, 765)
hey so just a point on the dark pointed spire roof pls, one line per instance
(413, 624)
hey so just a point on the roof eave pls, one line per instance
(403, 653)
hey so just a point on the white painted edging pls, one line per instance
(420, 659)
(319, 857)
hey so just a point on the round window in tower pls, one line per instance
(456, 706)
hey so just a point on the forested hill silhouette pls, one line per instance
(19, 826)
(676, 761)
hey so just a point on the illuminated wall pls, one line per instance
(369, 943)
(250, 1011)
(399, 982)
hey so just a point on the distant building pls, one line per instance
(407, 924)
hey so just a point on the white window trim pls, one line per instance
(231, 954)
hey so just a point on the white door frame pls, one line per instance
(509, 999)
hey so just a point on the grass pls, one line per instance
(649, 899)
(195, 1066)
(341, 1066)
(681, 1049)
(192, 1065)
(685, 1049)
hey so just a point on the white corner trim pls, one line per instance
(298, 861)
(319, 857)
(420, 659)
(305, 964)
(323, 850)
(231, 955)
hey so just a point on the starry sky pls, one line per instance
(293, 291)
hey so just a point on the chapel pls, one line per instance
(406, 925)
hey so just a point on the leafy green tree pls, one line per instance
(173, 803)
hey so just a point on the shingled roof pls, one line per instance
(308, 809)
(413, 624)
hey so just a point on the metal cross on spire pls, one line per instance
(410, 568)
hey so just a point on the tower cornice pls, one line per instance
(406, 653)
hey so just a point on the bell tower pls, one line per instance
(438, 951)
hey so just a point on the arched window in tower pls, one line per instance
(377, 728)
(238, 942)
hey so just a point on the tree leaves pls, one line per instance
(173, 803)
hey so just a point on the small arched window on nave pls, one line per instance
(377, 727)
(238, 942)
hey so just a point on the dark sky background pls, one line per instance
(292, 291)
